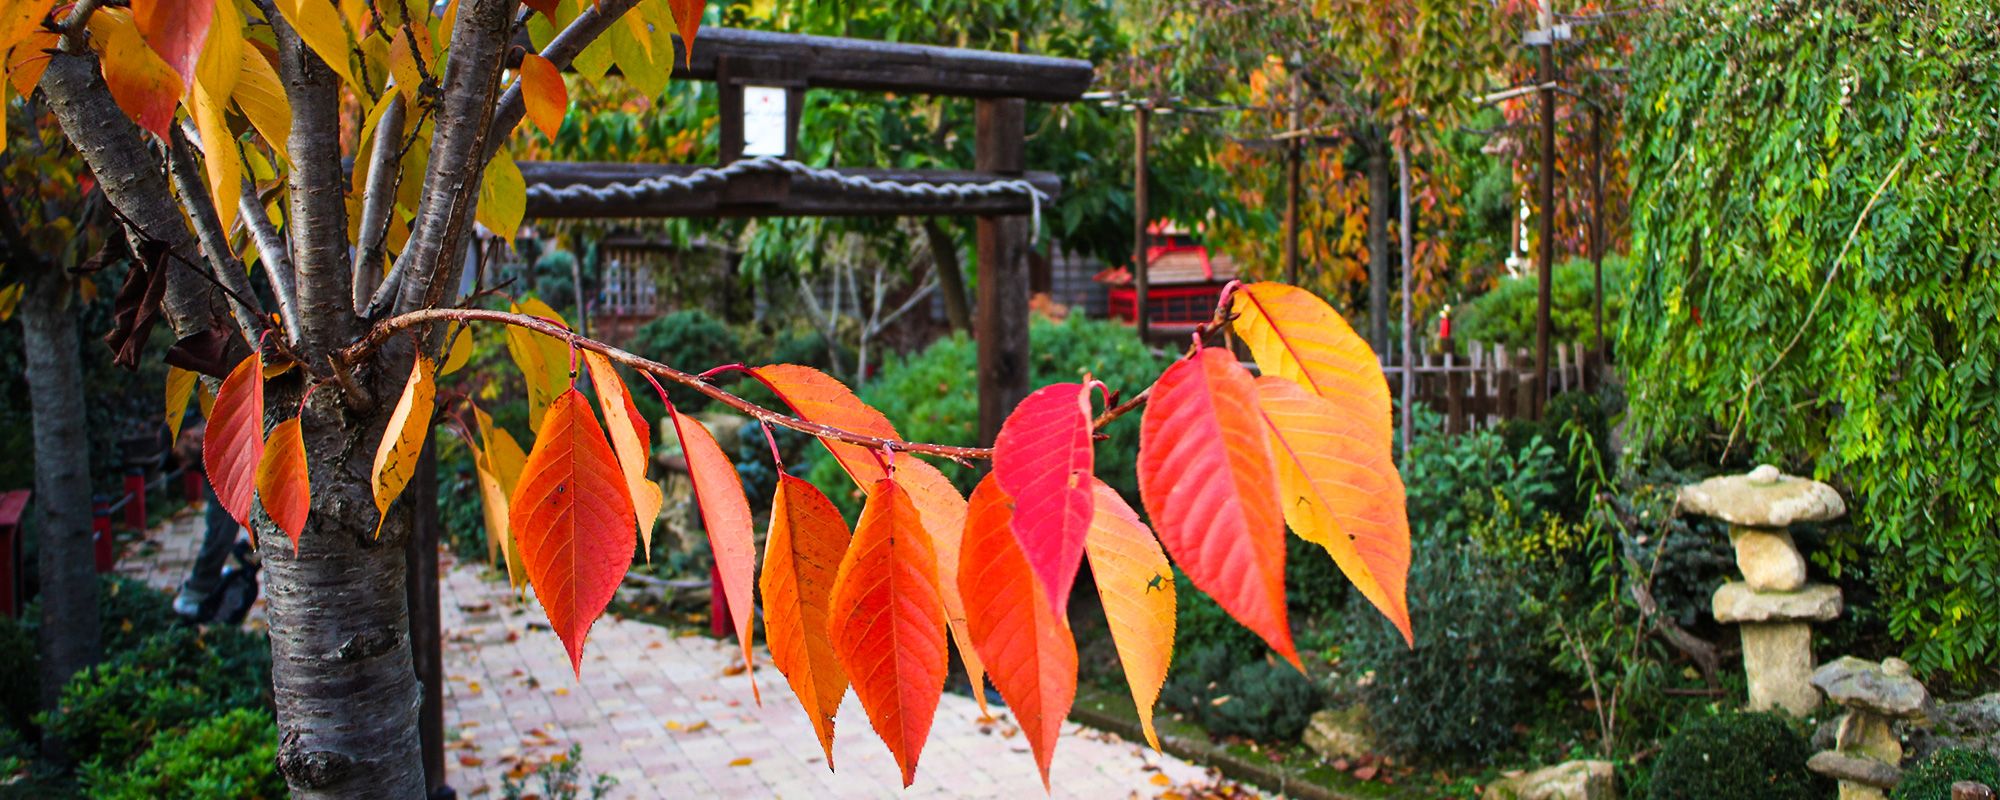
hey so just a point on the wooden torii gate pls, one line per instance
(739, 60)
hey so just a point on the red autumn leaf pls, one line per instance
(1209, 484)
(572, 520)
(726, 515)
(802, 556)
(888, 623)
(234, 442)
(687, 20)
(145, 86)
(1026, 645)
(1042, 457)
(942, 510)
(543, 91)
(546, 7)
(283, 483)
(1137, 589)
(816, 397)
(176, 30)
(1340, 489)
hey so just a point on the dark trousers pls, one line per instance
(216, 542)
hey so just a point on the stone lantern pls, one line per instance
(1773, 604)
(1867, 754)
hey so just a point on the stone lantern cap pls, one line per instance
(1737, 602)
(1763, 498)
(1884, 688)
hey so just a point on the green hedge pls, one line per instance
(1506, 315)
(1753, 173)
(231, 756)
(1737, 756)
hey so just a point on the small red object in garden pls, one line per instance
(100, 536)
(12, 504)
(135, 505)
(192, 484)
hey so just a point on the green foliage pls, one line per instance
(930, 396)
(1506, 315)
(561, 778)
(1262, 699)
(1737, 756)
(1757, 224)
(110, 712)
(226, 757)
(21, 693)
(691, 341)
(1931, 778)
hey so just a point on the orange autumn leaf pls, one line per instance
(942, 510)
(1209, 485)
(1340, 490)
(802, 556)
(144, 85)
(1293, 334)
(571, 520)
(1136, 588)
(283, 483)
(1026, 644)
(1042, 457)
(816, 397)
(687, 20)
(888, 623)
(175, 29)
(726, 514)
(631, 438)
(543, 92)
(234, 442)
(403, 440)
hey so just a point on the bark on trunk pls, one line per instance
(69, 631)
(346, 691)
(1378, 246)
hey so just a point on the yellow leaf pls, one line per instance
(19, 19)
(319, 25)
(503, 461)
(503, 196)
(459, 352)
(1136, 588)
(262, 99)
(217, 67)
(180, 387)
(10, 297)
(219, 157)
(205, 399)
(403, 440)
(631, 44)
(631, 439)
(544, 361)
(595, 60)
(1160, 779)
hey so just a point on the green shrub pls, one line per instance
(691, 341)
(1931, 778)
(20, 694)
(1506, 315)
(1263, 699)
(226, 757)
(130, 612)
(111, 711)
(1737, 756)
(1850, 209)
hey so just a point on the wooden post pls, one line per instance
(1293, 153)
(1140, 120)
(420, 558)
(1545, 254)
(1409, 334)
(999, 146)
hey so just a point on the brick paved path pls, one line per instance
(663, 714)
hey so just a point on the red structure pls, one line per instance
(1184, 281)
(12, 505)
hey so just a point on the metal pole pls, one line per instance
(1545, 254)
(1409, 345)
(1292, 158)
(1140, 120)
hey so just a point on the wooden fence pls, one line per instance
(1490, 383)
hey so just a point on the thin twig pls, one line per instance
(1743, 412)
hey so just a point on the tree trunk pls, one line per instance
(69, 630)
(346, 691)
(951, 276)
(1378, 245)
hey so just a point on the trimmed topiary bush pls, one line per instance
(1261, 698)
(224, 758)
(1737, 756)
(1931, 778)
(111, 712)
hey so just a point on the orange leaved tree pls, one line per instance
(219, 130)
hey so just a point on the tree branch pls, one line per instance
(458, 153)
(318, 186)
(132, 179)
(387, 329)
(187, 179)
(272, 250)
(378, 200)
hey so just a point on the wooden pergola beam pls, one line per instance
(770, 196)
(836, 63)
